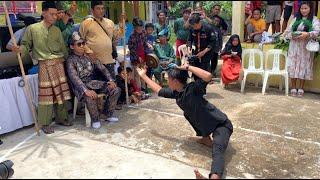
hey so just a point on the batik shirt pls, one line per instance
(81, 72)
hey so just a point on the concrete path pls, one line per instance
(275, 136)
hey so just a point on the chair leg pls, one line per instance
(265, 81)
(286, 79)
(88, 118)
(75, 106)
(256, 83)
(243, 83)
(280, 83)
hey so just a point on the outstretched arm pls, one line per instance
(153, 85)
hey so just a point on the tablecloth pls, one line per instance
(15, 112)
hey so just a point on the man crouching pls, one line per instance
(203, 116)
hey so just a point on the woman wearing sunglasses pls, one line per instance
(81, 69)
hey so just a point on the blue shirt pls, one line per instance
(151, 39)
(129, 30)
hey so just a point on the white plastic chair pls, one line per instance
(251, 65)
(276, 69)
(183, 50)
(87, 115)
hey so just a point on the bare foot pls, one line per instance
(199, 175)
(214, 176)
(207, 141)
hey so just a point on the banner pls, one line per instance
(20, 7)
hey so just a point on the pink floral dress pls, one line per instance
(300, 59)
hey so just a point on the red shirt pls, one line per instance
(134, 86)
(140, 50)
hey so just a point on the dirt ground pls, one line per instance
(275, 136)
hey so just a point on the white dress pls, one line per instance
(300, 59)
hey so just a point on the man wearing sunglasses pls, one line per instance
(81, 70)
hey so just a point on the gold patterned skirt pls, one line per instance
(53, 86)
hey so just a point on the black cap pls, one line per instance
(59, 6)
(48, 4)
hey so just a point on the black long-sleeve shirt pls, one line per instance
(203, 38)
(203, 116)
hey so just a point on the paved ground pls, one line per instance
(274, 137)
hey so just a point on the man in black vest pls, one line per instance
(204, 38)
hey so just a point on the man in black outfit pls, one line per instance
(204, 38)
(204, 117)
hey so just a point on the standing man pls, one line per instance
(161, 24)
(64, 21)
(220, 27)
(47, 45)
(204, 38)
(181, 29)
(215, 13)
(273, 15)
(288, 10)
(100, 35)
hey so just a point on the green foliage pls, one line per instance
(226, 8)
(178, 6)
(282, 44)
(83, 8)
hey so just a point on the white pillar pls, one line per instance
(149, 19)
(238, 18)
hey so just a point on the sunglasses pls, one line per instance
(81, 43)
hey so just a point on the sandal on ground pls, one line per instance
(47, 129)
(293, 92)
(300, 93)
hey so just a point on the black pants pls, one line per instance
(221, 136)
(205, 65)
(214, 62)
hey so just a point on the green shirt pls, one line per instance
(66, 30)
(181, 32)
(165, 52)
(45, 43)
(158, 28)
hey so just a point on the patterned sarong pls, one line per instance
(53, 86)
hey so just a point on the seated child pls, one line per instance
(256, 25)
(134, 92)
(231, 56)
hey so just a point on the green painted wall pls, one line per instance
(115, 9)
